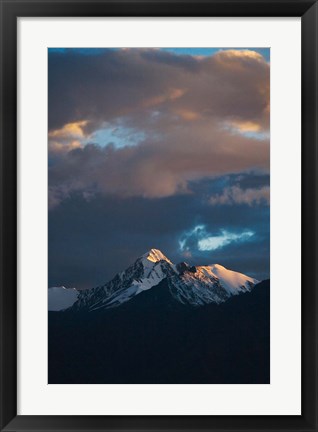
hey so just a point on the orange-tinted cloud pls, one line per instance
(170, 95)
(70, 130)
(246, 126)
(230, 85)
(57, 147)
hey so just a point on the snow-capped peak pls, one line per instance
(232, 281)
(194, 285)
(147, 271)
(155, 255)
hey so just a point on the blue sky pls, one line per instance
(265, 52)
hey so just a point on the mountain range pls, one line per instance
(161, 323)
(192, 285)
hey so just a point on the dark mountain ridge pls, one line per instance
(156, 339)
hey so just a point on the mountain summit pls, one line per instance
(155, 255)
(192, 285)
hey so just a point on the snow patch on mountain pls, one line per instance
(208, 284)
(233, 282)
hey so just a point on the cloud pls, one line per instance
(175, 108)
(232, 84)
(222, 240)
(200, 239)
(70, 130)
(90, 240)
(155, 169)
(245, 126)
(236, 195)
(71, 136)
(248, 129)
(138, 139)
(58, 147)
(170, 95)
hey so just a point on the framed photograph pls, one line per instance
(158, 215)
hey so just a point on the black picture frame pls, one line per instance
(10, 11)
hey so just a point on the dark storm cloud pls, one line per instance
(236, 195)
(90, 241)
